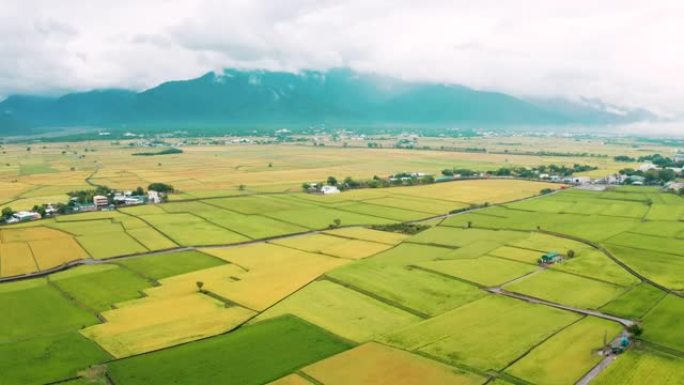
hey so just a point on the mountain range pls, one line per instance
(340, 96)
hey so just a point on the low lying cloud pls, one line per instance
(623, 51)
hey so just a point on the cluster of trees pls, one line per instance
(464, 172)
(651, 177)
(523, 172)
(161, 187)
(657, 159)
(349, 183)
(404, 228)
(167, 151)
(552, 153)
(86, 196)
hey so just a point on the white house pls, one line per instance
(154, 196)
(133, 201)
(329, 190)
(100, 201)
(22, 216)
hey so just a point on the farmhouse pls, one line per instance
(154, 196)
(100, 201)
(635, 180)
(674, 186)
(327, 189)
(23, 216)
(549, 258)
(134, 200)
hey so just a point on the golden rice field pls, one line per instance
(150, 323)
(376, 364)
(45, 174)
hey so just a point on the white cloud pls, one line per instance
(624, 51)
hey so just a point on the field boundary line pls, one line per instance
(376, 297)
(539, 343)
(308, 377)
(218, 225)
(150, 225)
(445, 275)
(75, 301)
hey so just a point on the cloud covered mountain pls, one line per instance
(244, 98)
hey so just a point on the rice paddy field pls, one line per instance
(264, 284)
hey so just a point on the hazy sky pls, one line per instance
(625, 52)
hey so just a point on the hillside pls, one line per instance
(259, 97)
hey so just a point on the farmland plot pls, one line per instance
(342, 311)
(665, 269)
(16, 259)
(169, 264)
(37, 309)
(635, 303)
(638, 367)
(485, 271)
(258, 275)
(418, 290)
(376, 364)
(250, 356)
(365, 234)
(488, 334)
(594, 264)
(448, 236)
(58, 356)
(107, 245)
(566, 356)
(335, 246)
(100, 286)
(149, 324)
(649, 242)
(662, 325)
(190, 230)
(567, 289)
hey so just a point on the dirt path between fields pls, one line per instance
(499, 291)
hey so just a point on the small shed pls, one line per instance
(550, 257)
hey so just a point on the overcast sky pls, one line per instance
(625, 52)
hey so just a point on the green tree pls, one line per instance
(7, 212)
(332, 181)
(571, 253)
(200, 285)
(139, 191)
(635, 329)
(161, 187)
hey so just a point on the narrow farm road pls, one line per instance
(499, 291)
(605, 362)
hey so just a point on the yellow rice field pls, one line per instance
(376, 364)
(16, 259)
(52, 253)
(149, 324)
(335, 246)
(369, 235)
